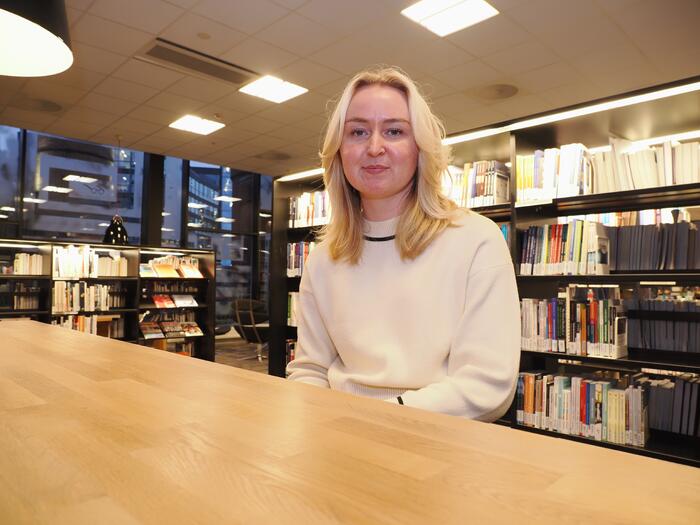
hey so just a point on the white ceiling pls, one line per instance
(557, 52)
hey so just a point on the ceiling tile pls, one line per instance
(147, 15)
(478, 117)
(185, 4)
(79, 4)
(147, 74)
(247, 17)
(170, 137)
(95, 59)
(334, 89)
(610, 60)
(9, 85)
(628, 79)
(308, 74)
(311, 102)
(297, 34)
(45, 89)
(540, 16)
(132, 125)
(73, 15)
(283, 114)
(107, 104)
(571, 94)
(90, 116)
(506, 5)
(73, 129)
(430, 57)
(433, 88)
(292, 134)
(454, 104)
(612, 6)
(105, 34)
(291, 4)
(200, 89)
(116, 138)
(202, 34)
(233, 134)
(468, 75)
(345, 17)
(257, 124)
(259, 56)
(521, 105)
(317, 123)
(348, 56)
(490, 36)
(547, 77)
(578, 38)
(218, 112)
(78, 78)
(154, 115)
(521, 58)
(176, 103)
(26, 119)
(125, 90)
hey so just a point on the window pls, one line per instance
(72, 189)
(172, 199)
(9, 170)
(265, 236)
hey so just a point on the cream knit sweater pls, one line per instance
(442, 330)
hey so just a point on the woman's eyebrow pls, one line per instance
(386, 121)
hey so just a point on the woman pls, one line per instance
(407, 298)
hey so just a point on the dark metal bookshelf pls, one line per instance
(680, 361)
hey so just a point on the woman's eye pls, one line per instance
(358, 132)
(394, 132)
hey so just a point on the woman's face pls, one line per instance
(378, 150)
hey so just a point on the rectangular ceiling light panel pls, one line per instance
(198, 125)
(273, 89)
(444, 17)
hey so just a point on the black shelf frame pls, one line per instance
(615, 277)
(689, 362)
(19, 313)
(97, 312)
(15, 277)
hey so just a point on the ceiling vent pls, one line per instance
(173, 56)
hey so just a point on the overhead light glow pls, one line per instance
(229, 235)
(79, 178)
(30, 49)
(444, 17)
(156, 252)
(3, 216)
(225, 219)
(273, 89)
(264, 214)
(57, 189)
(195, 124)
(35, 201)
(167, 230)
(225, 198)
(7, 208)
(301, 175)
(165, 213)
(194, 224)
(105, 224)
(196, 205)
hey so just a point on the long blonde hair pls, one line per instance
(427, 212)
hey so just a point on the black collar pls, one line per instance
(379, 239)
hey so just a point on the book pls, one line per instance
(145, 270)
(191, 329)
(172, 329)
(184, 300)
(189, 271)
(165, 270)
(163, 301)
(150, 330)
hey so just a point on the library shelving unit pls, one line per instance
(30, 293)
(646, 118)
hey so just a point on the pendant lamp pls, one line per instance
(34, 39)
(116, 233)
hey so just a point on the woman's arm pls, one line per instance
(482, 367)
(315, 351)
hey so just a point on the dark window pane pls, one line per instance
(73, 189)
(172, 198)
(9, 179)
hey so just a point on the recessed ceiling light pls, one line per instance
(79, 178)
(196, 205)
(301, 175)
(198, 125)
(444, 17)
(57, 189)
(229, 235)
(103, 224)
(167, 230)
(225, 198)
(7, 208)
(273, 89)
(225, 219)
(264, 214)
(165, 213)
(194, 224)
(35, 201)
(263, 233)
(3, 216)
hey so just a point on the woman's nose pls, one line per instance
(376, 145)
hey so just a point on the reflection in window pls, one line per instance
(172, 196)
(9, 169)
(265, 236)
(72, 189)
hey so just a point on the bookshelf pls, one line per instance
(102, 299)
(638, 122)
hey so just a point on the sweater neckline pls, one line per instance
(380, 229)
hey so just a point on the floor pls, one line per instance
(233, 352)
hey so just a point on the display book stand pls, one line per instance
(676, 114)
(128, 296)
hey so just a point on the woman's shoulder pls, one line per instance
(473, 225)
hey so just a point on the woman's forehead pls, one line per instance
(378, 102)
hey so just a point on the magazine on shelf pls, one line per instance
(172, 329)
(184, 300)
(145, 270)
(163, 301)
(151, 330)
(165, 270)
(191, 329)
(189, 271)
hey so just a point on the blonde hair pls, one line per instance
(427, 212)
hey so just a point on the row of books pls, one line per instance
(612, 409)
(309, 209)
(290, 349)
(73, 262)
(582, 320)
(576, 248)
(297, 252)
(673, 335)
(482, 183)
(79, 296)
(673, 404)
(26, 264)
(574, 170)
(173, 301)
(655, 247)
(104, 325)
(170, 269)
(20, 296)
(169, 329)
(183, 287)
(292, 300)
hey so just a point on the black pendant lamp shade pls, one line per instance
(34, 39)
(116, 233)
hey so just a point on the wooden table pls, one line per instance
(99, 431)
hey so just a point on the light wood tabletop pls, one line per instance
(100, 431)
